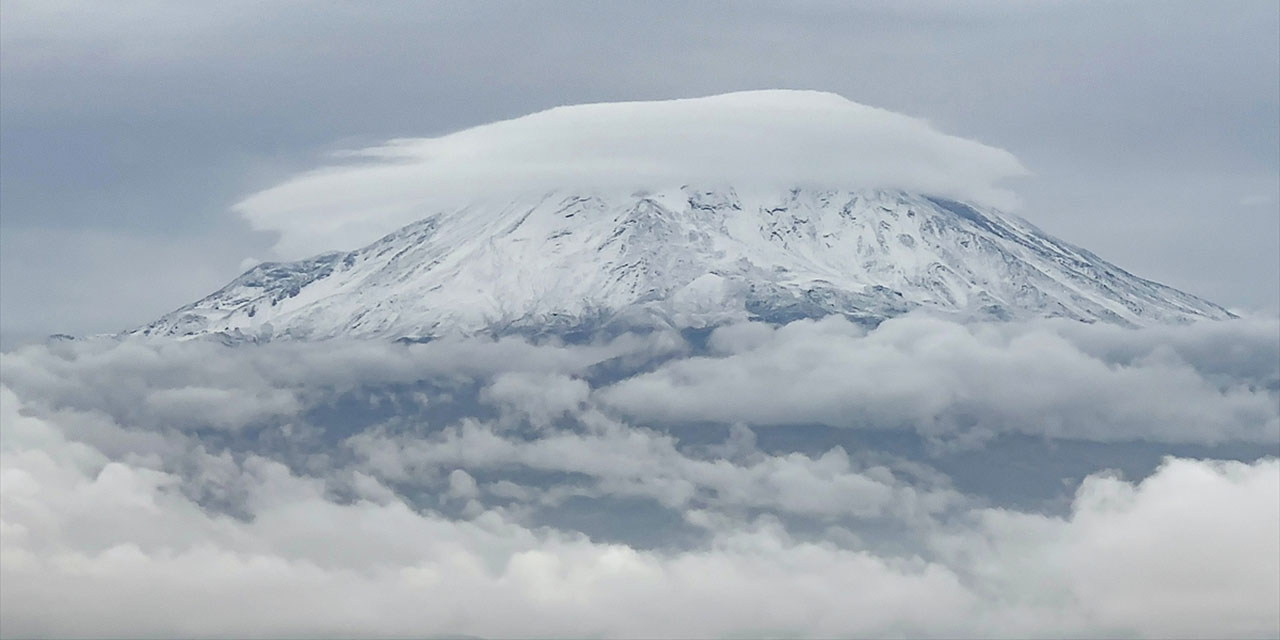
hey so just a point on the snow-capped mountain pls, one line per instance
(683, 257)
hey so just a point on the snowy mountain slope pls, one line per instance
(682, 257)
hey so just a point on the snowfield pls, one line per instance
(687, 257)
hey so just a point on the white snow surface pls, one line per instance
(773, 139)
(684, 257)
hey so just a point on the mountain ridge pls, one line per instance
(687, 257)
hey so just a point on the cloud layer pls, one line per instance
(1055, 379)
(98, 547)
(635, 488)
(757, 138)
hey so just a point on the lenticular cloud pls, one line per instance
(764, 139)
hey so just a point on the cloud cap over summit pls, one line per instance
(764, 139)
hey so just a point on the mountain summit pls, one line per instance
(685, 257)
(756, 141)
(794, 204)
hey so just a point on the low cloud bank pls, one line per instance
(1203, 383)
(765, 138)
(502, 488)
(95, 547)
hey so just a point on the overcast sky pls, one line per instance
(127, 130)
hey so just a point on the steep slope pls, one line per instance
(683, 257)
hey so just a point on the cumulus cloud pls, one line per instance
(98, 547)
(629, 488)
(623, 460)
(1204, 383)
(538, 397)
(1132, 556)
(206, 384)
(761, 138)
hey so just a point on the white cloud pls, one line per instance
(1192, 551)
(119, 518)
(749, 139)
(624, 460)
(461, 484)
(222, 408)
(94, 547)
(201, 383)
(538, 397)
(1203, 383)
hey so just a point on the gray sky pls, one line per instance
(128, 129)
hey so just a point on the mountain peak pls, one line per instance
(687, 257)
